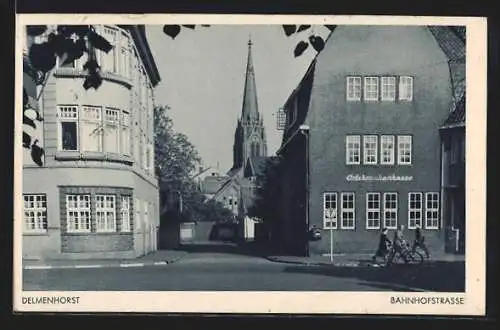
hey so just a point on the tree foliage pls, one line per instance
(265, 206)
(176, 160)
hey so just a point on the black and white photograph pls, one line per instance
(320, 162)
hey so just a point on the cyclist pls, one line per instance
(399, 242)
(384, 245)
(419, 242)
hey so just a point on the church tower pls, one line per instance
(249, 137)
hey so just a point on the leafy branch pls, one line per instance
(68, 43)
(314, 40)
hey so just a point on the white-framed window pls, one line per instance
(125, 55)
(353, 149)
(68, 127)
(390, 210)
(125, 138)
(370, 150)
(371, 88)
(91, 128)
(110, 59)
(78, 213)
(347, 211)
(111, 131)
(105, 206)
(387, 150)
(404, 149)
(136, 142)
(432, 210)
(125, 213)
(145, 204)
(151, 156)
(144, 153)
(405, 88)
(388, 88)
(330, 210)
(137, 217)
(353, 88)
(372, 210)
(35, 213)
(414, 210)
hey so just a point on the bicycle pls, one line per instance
(407, 255)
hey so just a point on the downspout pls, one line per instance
(305, 131)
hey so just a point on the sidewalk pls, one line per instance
(156, 258)
(353, 260)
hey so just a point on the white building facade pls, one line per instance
(94, 194)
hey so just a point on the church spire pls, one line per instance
(250, 108)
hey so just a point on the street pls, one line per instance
(219, 271)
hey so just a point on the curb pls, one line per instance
(354, 264)
(121, 265)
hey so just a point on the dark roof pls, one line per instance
(457, 116)
(450, 41)
(459, 31)
(256, 165)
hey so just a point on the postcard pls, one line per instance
(251, 164)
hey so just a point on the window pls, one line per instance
(151, 158)
(105, 213)
(78, 213)
(255, 148)
(144, 153)
(414, 210)
(125, 213)
(371, 88)
(353, 146)
(388, 88)
(329, 210)
(432, 210)
(146, 213)
(35, 213)
(125, 138)
(68, 128)
(387, 149)
(125, 56)
(110, 59)
(373, 210)
(137, 208)
(347, 221)
(390, 210)
(370, 149)
(405, 88)
(91, 128)
(404, 149)
(111, 133)
(353, 88)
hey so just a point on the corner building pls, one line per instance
(95, 194)
(373, 100)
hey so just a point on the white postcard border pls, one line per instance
(287, 302)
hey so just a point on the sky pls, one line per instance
(202, 79)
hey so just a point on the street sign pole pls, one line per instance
(333, 217)
(331, 244)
